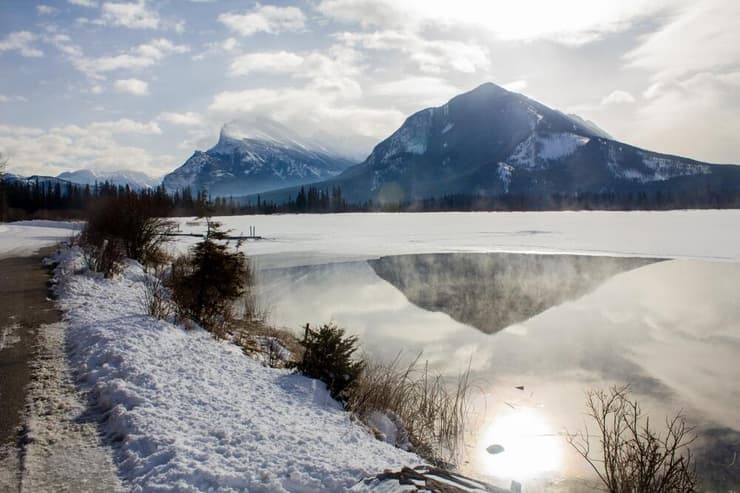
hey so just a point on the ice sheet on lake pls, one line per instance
(310, 239)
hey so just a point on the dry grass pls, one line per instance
(432, 408)
(258, 338)
(155, 298)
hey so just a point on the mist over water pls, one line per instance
(670, 329)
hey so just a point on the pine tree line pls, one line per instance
(39, 198)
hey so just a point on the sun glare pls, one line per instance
(519, 444)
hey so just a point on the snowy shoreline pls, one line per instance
(186, 411)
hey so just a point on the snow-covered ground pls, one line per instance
(190, 413)
(310, 239)
(24, 238)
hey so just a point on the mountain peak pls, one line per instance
(491, 141)
(263, 129)
(489, 87)
(255, 154)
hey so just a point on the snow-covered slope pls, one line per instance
(189, 413)
(134, 179)
(255, 157)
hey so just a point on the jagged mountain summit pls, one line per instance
(136, 180)
(255, 157)
(492, 142)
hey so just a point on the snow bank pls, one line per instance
(190, 413)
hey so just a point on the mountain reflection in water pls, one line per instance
(491, 291)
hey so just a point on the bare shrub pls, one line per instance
(633, 457)
(155, 298)
(107, 257)
(132, 221)
(432, 408)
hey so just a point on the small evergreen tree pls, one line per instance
(328, 357)
(207, 282)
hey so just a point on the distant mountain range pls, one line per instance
(484, 145)
(255, 157)
(134, 179)
(492, 142)
(44, 181)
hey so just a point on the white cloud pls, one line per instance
(46, 9)
(308, 108)
(570, 22)
(617, 97)
(132, 15)
(516, 85)
(132, 86)
(332, 70)
(264, 18)
(10, 99)
(652, 90)
(216, 48)
(139, 57)
(84, 3)
(695, 117)
(19, 131)
(124, 126)
(704, 37)
(21, 41)
(279, 62)
(95, 145)
(430, 91)
(692, 61)
(430, 56)
(365, 12)
(188, 119)
(229, 44)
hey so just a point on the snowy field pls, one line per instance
(189, 413)
(309, 239)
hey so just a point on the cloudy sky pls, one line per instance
(141, 84)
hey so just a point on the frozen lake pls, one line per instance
(665, 319)
(309, 239)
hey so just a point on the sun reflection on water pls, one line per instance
(519, 444)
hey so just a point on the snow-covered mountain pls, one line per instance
(134, 179)
(254, 157)
(492, 142)
(41, 180)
